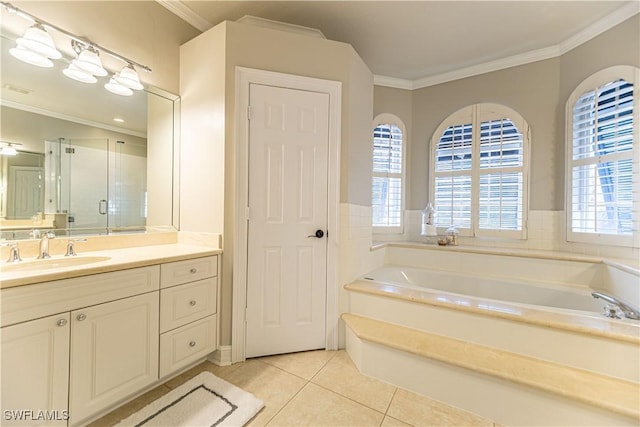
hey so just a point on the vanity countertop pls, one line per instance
(115, 259)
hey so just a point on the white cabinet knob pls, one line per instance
(61, 322)
(81, 317)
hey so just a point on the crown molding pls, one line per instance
(281, 26)
(181, 10)
(623, 13)
(616, 17)
(488, 67)
(392, 82)
(56, 115)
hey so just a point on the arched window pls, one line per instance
(388, 174)
(602, 159)
(479, 171)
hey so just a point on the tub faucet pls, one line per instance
(44, 245)
(629, 311)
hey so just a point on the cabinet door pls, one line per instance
(114, 353)
(35, 372)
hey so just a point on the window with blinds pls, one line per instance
(601, 163)
(388, 165)
(479, 169)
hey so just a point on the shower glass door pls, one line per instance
(84, 182)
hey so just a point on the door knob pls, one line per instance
(319, 234)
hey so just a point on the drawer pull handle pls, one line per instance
(192, 344)
(193, 271)
(81, 317)
(192, 302)
(61, 322)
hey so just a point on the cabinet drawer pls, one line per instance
(44, 299)
(182, 304)
(179, 272)
(185, 345)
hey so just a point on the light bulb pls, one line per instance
(114, 87)
(37, 39)
(129, 77)
(89, 60)
(30, 57)
(75, 73)
(8, 150)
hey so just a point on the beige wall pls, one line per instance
(538, 91)
(618, 46)
(143, 31)
(159, 160)
(209, 132)
(31, 130)
(531, 89)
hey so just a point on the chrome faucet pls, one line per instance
(14, 252)
(44, 245)
(71, 247)
(629, 311)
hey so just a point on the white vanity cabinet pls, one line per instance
(114, 353)
(188, 307)
(75, 348)
(35, 372)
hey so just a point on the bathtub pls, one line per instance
(516, 290)
(535, 305)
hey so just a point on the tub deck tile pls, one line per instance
(613, 394)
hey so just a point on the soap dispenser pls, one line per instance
(428, 219)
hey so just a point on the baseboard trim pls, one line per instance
(222, 356)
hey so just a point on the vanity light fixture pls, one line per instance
(9, 149)
(128, 77)
(37, 39)
(30, 57)
(114, 87)
(88, 60)
(75, 73)
(36, 47)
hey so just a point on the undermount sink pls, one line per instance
(52, 263)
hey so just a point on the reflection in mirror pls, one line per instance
(21, 184)
(89, 162)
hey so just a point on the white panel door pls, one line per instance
(286, 272)
(27, 191)
(35, 372)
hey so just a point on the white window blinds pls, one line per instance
(501, 175)
(479, 171)
(387, 176)
(602, 160)
(453, 186)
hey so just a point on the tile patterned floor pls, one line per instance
(317, 388)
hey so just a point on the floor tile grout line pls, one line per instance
(348, 398)
(386, 412)
(335, 352)
(307, 382)
(288, 401)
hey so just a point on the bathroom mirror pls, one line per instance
(89, 161)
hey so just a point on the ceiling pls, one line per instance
(417, 43)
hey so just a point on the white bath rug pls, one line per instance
(204, 400)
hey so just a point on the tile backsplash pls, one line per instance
(546, 231)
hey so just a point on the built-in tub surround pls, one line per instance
(568, 334)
